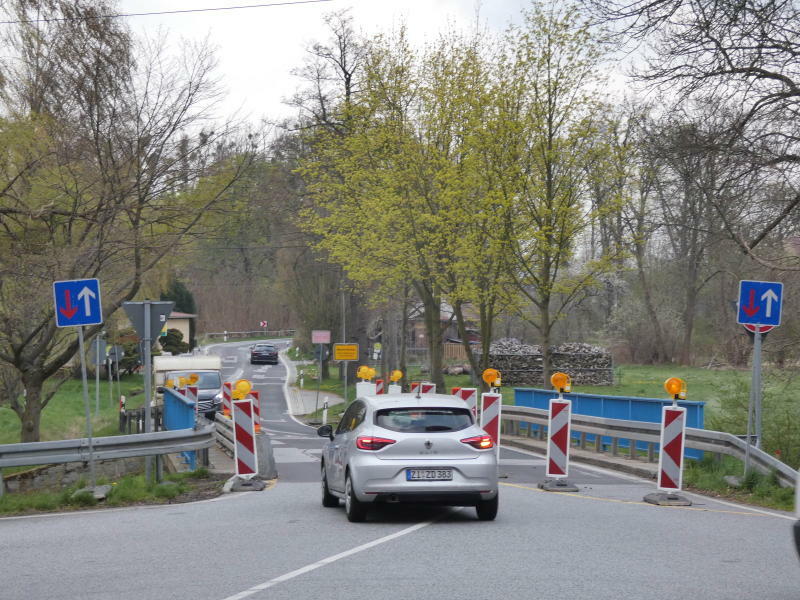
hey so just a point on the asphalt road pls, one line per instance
(600, 543)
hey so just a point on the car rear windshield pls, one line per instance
(263, 347)
(206, 381)
(423, 420)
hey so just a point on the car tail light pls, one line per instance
(479, 442)
(372, 443)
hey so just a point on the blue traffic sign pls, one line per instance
(77, 302)
(760, 303)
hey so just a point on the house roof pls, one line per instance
(180, 315)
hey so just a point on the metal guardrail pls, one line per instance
(224, 433)
(650, 434)
(107, 448)
(244, 334)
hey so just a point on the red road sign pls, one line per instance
(761, 328)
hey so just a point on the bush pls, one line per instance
(780, 416)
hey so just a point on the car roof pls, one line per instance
(380, 401)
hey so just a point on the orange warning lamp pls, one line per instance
(561, 381)
(193, 378)
(169, 383)
(396, 375)
(364, 372)
(491, 377)
(241, 388)
(676, 388)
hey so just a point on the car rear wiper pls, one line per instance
(438, 428)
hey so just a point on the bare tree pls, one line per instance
(91, 185)
(742, 55)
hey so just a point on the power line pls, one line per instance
(163, 12)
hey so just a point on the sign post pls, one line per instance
(147, 317)
(759, 307)
(87, 310)
(345, 353)
(320, 336)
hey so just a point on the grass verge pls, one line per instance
(64, 417)
(707, 476)
(130, 490)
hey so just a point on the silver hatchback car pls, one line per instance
(409, 448)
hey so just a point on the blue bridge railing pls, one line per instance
(629, 408)
(179, 413)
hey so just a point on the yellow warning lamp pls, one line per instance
(363, 372)
(169, 383)
(193, 378)
(676, 388)
(241, 388)
(561, 381)
(492, 377)
(182, 382)
(372, 373)
(396, 375)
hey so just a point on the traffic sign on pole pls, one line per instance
(760, 303)
(77, 302)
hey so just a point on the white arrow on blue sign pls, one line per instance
(77, 302)
(760, 303)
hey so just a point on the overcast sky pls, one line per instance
(258, 47)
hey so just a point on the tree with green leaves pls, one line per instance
(548, 115)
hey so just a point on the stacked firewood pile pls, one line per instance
(521, 364)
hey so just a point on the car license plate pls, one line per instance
(429, 474)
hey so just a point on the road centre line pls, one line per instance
(747, 512)
(330, 559)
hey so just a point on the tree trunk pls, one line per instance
(433, 329)
(462, 333)
(546, 330)
(30, 414)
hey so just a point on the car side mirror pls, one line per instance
(325, 431)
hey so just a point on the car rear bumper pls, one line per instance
(473, 480)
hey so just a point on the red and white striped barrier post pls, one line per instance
(244, 447)
(428, 388)
(227, 392)
(670, 460)
(256, 395)
(670, 457)
(470, 396)
(379, 387)
(558, 438)
(414, 386)
(454, 391)
(558, 428)
(491, 413)
(192, 396)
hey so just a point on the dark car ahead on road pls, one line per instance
(264, 353)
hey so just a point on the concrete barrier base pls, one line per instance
(667, 499)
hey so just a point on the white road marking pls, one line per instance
(326, 561)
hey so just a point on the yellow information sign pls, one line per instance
(345, 352)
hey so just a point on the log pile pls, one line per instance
(521, 364)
